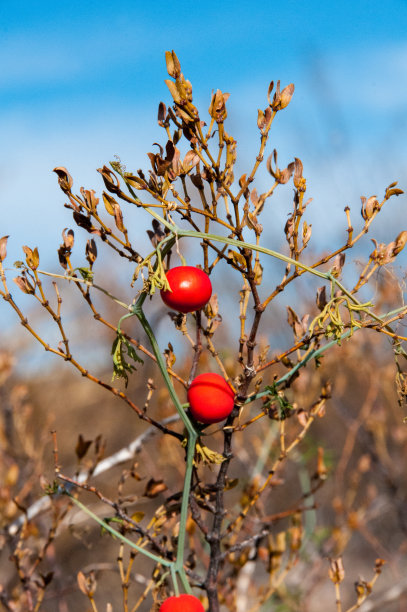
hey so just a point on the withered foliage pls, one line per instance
(259, 479)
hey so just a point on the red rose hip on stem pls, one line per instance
(191, 289)
(210, 397)
(182, 603)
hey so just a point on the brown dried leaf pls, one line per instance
(68, 238)
(258, 272)
(283, 98)
(217, 108)
(91, 251)
(369, 206)
(118, 217)
(400, 243)
(3, 248)
(32, 257)
(336, 570)
(154, 488)
(110, 179)
(237, 258)
(24, 284)
(109, 203)
(90, 200)
(321, 298)
(191, 160)
(339, 262)
(299, 180)
(82, 582)
(135, 181)
(82, 447)
(64, 179)
(162, 112)
(85, 223)
(173, 91)
(270, 89)
(173, 65)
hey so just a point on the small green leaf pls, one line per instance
(279, 400)
(86, 274)
(122, 349)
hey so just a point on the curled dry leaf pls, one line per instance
(24, 284)
(369, 206)
(65, 180)
(281, 176)
(282, 99)
(299, 180)
(161, 115)
(400, 243)
(154, 488)
(91, 201)
(217, 108)
(110, 179)
(173, 64)
(336, 570)
(264, 120)
(321, 298)
(68, 238)
(3, 248)
(91, 251)
(32, 257)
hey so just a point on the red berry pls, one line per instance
(191, 289)
(182, 603)
(210, 398)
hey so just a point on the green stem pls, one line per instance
(179, 563)
(138, 311)
(313, 354)
(237, 243)
(192, 437)
(117, 534)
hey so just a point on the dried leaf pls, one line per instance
(91, 251)
(162, 112)
(32, 257)
(82, 447)
(118, 217)
(283, 98)
(154, 488)
(369, 206)
(217, 108)
(173, 65)
(339, 262)
(24, 284)
(237, 258)
(336, 570)
(110, 179)
(64, 179)
(68, 238)
(3, 248)
(91, 201)
(321, 298)
(135, 181)
(85, 223)
(82, 582)
(400, 243)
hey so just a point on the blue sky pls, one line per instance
(80, 82)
